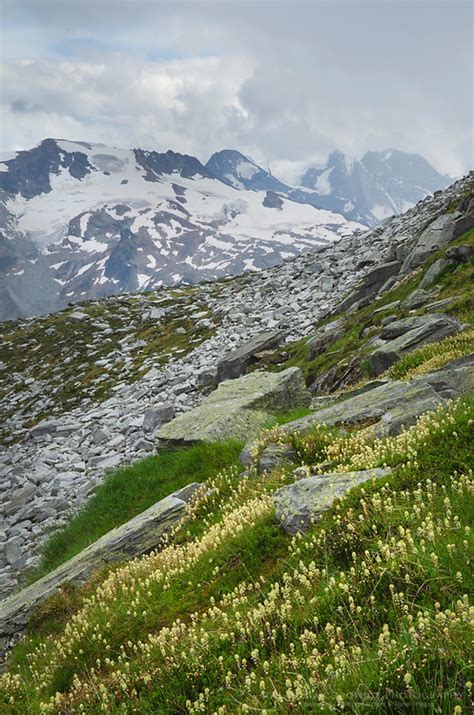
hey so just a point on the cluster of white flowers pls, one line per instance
(284, 640)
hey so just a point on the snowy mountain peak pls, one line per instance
(81, 221)
(377, 186)
(242, 172)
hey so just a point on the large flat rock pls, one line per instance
(138, 536)
(238, 408)
(298, 504)
(438, 235)
(395, 404)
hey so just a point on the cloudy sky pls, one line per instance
(285, 81)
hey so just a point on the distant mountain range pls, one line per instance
(379, 185)
(79, 221)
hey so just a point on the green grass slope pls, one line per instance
(129, 491)
(368, 612)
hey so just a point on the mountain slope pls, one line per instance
(232, 611)
(81, 221)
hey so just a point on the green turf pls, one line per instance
(129, 491)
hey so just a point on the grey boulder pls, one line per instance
(298, 505)
(236, 362)
(409, 334)
(237, 408)
(157, 415)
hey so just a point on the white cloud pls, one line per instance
(283, 81)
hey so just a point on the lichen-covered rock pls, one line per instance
(276, 455)
(393, 405)
(238, 408)
(140, 535)
(298, 504)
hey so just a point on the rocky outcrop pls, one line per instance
(236, 362)
(438, 235)
(138, 536)
(370, 286)
(318, 343)
(298, 505)
(237, 409)
(393, 405)
(338, 377)
(407, 335)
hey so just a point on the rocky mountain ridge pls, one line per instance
(378, 185)
(80, 221)
(368, 190)
(86, 389)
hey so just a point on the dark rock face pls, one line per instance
(29, 172)
(371, 284)
(461, 254)
(424, 329)
(337, 377)
(156, 165)
(238, 170)
(237, 362)
(272, 200)
(118, 265)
